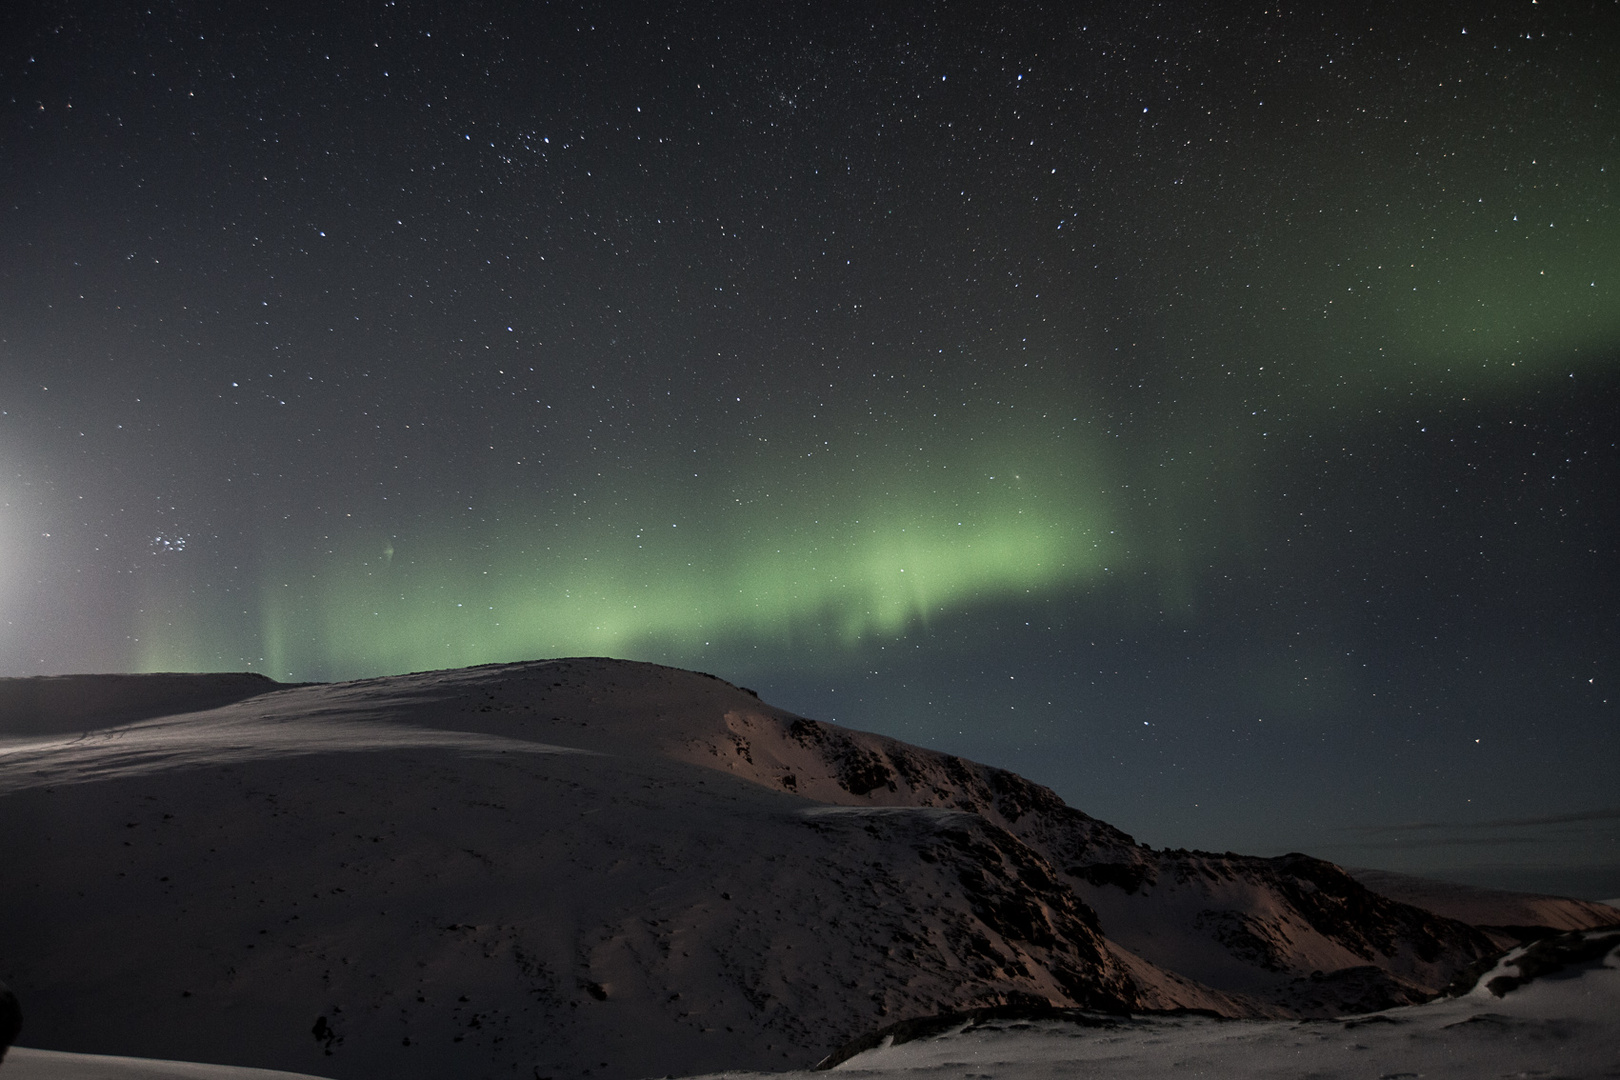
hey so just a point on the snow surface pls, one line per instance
(22, 1063)
(158, 746)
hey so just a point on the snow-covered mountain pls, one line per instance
(600, 868)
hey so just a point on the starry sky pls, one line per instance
(1206, 410)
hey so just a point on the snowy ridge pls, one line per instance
(157, 746)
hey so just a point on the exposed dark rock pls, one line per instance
(1354, 990)
(1127, 876)
(1247, 936)
(924, 1027)
(10, 1018)
(1025, 924)
(1553, 955)
(325, 1034)
(860, 770)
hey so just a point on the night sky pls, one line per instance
(1209, 412)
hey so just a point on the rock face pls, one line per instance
(596, 867)
(1292, 936)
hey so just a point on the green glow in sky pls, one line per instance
(878, 514)
(1493, 306)
(809, 562)
(855, 538)
(1480, 279)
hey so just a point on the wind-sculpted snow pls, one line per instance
(215, 741)
(594, 867)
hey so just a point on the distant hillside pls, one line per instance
(1508, 918)
(60, 704)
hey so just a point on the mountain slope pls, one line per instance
(1270, 937)
(596, 867)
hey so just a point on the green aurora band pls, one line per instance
(817, 554)
(836, 564)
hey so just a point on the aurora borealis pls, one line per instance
(1206, 411)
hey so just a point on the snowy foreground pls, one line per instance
(1562, 1024)
(22, 1063)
